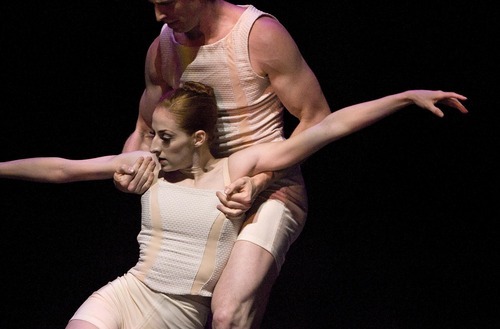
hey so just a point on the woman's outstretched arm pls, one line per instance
(343, 122)
(61, 170)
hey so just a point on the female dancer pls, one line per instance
(184, 240)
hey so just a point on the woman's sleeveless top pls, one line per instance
(184, 240)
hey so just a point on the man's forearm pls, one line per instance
(137, 141)
(263, 180)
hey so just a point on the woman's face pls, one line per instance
(172, 145)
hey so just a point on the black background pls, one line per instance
(402, 224)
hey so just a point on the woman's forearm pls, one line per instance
(57, 170)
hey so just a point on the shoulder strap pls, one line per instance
(225, 171)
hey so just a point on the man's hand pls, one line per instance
(136, 179)
(237, 198)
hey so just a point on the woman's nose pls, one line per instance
(153, 148)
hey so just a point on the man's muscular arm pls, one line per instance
(274, 53)
(134, 179)
(141, 138)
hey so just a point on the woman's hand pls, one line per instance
(428, 99)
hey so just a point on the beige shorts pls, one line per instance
(127, 303)
(278, 216)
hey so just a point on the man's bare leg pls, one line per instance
(242, 292)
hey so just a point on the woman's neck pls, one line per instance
(203, 162)
(200, 175)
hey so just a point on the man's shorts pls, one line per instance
(277, 216)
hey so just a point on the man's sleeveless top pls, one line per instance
(250, 111)
(184, 240)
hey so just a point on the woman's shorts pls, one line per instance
(127, 303)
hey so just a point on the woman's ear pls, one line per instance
(200, 138)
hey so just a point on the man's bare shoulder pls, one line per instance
(268, 27)
(271, 46)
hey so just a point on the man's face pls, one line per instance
(180, 15)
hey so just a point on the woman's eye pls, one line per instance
(166, 138)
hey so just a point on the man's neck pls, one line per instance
(216, 21)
